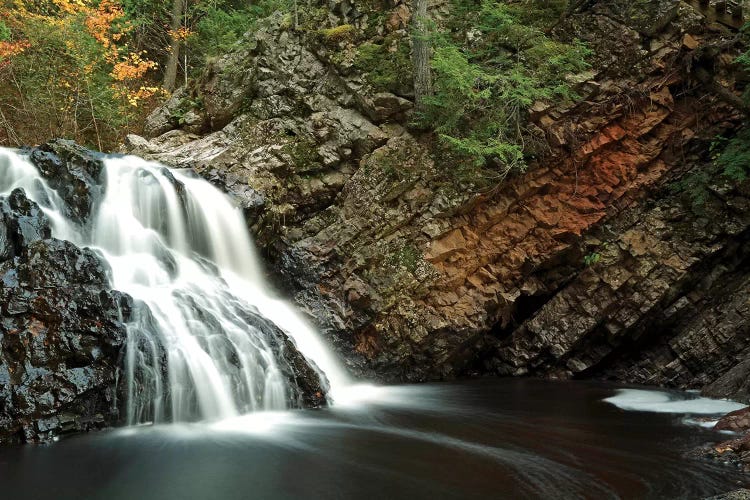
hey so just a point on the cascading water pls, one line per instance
(203, 339)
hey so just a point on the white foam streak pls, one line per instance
(664, 402)
(199, 348)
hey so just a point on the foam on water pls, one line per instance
(665, 402)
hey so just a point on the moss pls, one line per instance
(304, 155)
(311, 19)
(375, 22)
(398, 164)
(407, 257)
(338, 34)
(287, 22)
(388, 66)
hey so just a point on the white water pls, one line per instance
(199, 344)
(664, 402)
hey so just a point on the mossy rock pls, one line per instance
(338, 34)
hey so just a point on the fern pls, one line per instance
(734, 160)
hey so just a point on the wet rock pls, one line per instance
(736, 421)
(21, 223)
(735, 452)
(733, 495)
(309, 387)
(61, 332)
(73, 172)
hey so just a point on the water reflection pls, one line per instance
(481, 439)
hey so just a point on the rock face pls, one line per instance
(73, 172)
(665, 304)
(61, 330)
(736, 421)
(592, 264)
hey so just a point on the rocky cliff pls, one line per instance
(594, 263)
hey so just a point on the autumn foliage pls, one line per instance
(91, 70)
(67, 70)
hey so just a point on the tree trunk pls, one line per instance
(421, 55)
(170, 71)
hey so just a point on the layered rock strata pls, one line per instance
(590, 264)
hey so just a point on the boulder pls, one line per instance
(21, 223)
(164, 118)
(61, 332)
(73, 171)
(736, 421)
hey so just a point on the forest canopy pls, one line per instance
(90, 70)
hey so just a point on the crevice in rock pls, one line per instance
(698, 299)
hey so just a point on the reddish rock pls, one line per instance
(737, 421)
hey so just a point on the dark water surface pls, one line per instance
(482, 439)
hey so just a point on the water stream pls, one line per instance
(505, 439)
(197, 345)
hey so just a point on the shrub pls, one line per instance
(4, 32)
(484, 86)
(734, 159)
(75, 75)
(216, 32)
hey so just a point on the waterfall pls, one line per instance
(203, 339)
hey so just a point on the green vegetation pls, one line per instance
(387, 66)
(406, 257)
(734, 158)
(91, 70)
(596, 255)
(215, 33)
(209, 28)
(730, 156)
(694, 189)
(304, 154)
(186, 105)
(4, 32)
(338, 33)
(66, 71)
(592, 258)
(486, 81)
(730, 159)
